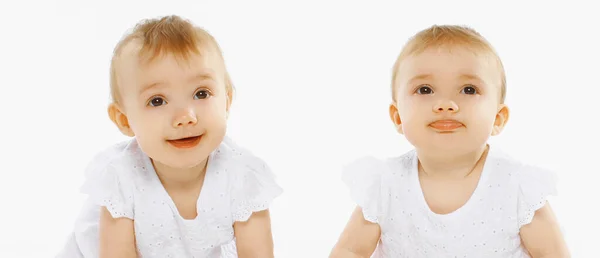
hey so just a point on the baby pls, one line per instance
(180, 187)
(454, 195)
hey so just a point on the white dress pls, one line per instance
(123, 179)
(506, 198)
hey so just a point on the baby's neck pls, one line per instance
(180, 177)
(446, 165)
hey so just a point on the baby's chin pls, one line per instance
(450, 144)
(166, 155)
(184, 159)
(189, 164)
(179, 161)
(184, 153)
(449, 148)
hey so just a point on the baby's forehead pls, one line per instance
(459, 53)
(135, 53)
(454, 61)
(133, 62)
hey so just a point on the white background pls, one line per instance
(313, 91)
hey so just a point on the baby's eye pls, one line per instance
(469, 90)
(202, 94)
(424, 90)
(157, 101)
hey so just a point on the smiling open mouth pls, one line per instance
(185, 143)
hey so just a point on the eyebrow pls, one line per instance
(470, 77)
(150, 86)
(201, 76)
(420, 77)
(464, 76)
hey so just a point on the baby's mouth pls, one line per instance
(185, 143)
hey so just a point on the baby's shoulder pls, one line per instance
(113, 176)
(124, 162)
(237, 161)
(403, 165)
(380, 170)
(252, 184)
(371, 181)
(119, 152)
(516, 170)
(533, 184)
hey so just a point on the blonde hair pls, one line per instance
(167, 35)
(448, 36)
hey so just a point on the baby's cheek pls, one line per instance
(149, 140)
(216, 111)
(218, 123)
(151, 134)
(413, 134)
(485, 122)
(146, 129)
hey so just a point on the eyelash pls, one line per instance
(207, 92)
(151, 101)
(426, 86)
(163, 101)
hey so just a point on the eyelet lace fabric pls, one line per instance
(122, 179)
(487, 225)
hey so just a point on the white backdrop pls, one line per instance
(313, 89)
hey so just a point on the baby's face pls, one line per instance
(448, 100)
(176, 109)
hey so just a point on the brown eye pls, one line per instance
(157, 101)
(202, 94)
(424, 90)
(470, 90)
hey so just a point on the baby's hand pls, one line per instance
(254, 237)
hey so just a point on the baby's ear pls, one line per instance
(501, 119)
(229, 99)
(395, 117)
(120, 119)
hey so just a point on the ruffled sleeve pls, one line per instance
(535, 186)
(363, 177)
(108, 181)
(254, 185)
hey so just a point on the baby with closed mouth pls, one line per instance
(454, 194)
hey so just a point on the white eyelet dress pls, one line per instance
(123, 179)
(506, 198)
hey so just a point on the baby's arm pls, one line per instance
(254, 237)
(542, 237)
(117, 239)
(359, 239)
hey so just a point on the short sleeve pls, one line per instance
(108, 181)
(535, 186)
(254, 187)
(363, 177)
